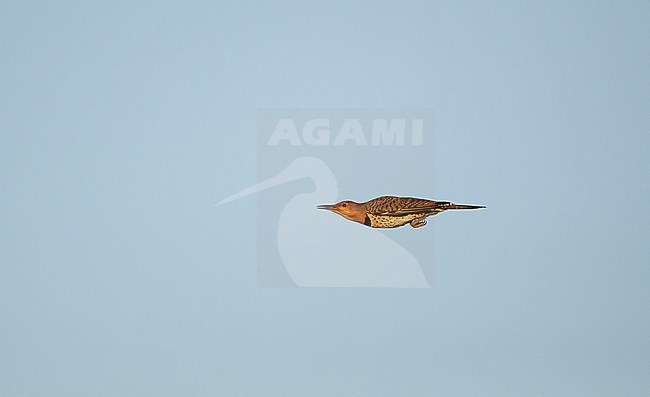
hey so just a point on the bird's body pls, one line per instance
(391, 211)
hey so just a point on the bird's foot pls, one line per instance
(418, 222)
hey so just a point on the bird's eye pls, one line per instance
(344, 205)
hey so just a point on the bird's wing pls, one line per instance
(397, 206)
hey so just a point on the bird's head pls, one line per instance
(347, 209)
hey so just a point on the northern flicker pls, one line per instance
(390, 211)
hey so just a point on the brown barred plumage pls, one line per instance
(391, 211)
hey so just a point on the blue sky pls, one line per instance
(122, 124)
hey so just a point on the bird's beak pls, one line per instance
(325, 207)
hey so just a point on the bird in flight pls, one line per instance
(391, 212)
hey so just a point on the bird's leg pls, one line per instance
(418, 222)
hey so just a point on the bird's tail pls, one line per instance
(452, 206)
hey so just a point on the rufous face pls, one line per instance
(347, 209)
